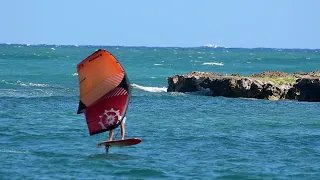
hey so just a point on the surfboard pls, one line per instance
(125, 142)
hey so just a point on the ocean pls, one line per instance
(184, 135)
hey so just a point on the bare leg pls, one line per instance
(111, 135)
(123, 131)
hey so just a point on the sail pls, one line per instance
(104, 91)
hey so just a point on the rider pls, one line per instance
(122, 130)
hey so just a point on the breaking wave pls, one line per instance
(213, 63)
(24, 83)
(13, 151)
(150, 89)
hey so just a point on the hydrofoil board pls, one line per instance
(125, 142)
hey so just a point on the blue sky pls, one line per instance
(179, 23)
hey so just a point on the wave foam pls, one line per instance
(150, 89)
(25, 84)
(25, 93)
(37, 93)
(213, 63)
(33, 84)
(13, 151)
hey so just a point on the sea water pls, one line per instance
(184, 135)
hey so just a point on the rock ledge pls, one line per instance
(272, 85)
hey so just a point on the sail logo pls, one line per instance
(109, 118)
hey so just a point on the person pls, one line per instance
(123, 131)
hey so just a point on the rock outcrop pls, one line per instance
(272, 85)
(308, 89)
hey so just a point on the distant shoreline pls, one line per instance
(135, 46)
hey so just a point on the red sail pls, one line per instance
(104, 91)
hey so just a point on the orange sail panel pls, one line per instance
(104, 91)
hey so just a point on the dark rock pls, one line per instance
(309, 89)
(254, 86)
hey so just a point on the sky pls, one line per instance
(162, 23)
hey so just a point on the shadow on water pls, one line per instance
(110, 156)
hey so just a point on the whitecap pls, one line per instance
(24, 83)
(13, 151)
(32, 84)
(213, 63)
(177, 93)
(150, 89)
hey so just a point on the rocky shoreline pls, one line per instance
(271, 85)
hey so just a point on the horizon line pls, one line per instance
(213, 46)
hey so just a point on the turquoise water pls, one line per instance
(184, 136)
